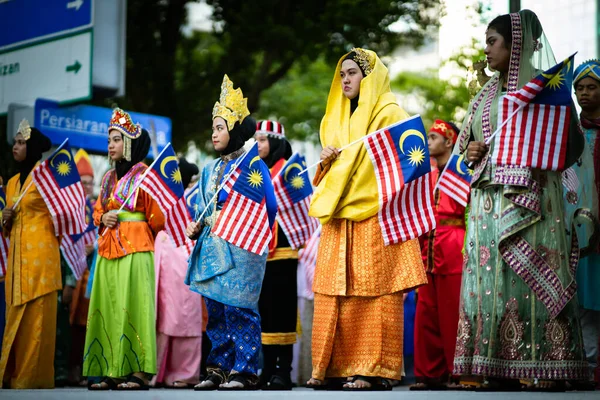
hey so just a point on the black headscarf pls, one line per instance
(278, 149)
(354, 102)
(139, 151)
(187, 170)
(37, 144)
(239, 134)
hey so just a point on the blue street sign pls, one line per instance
(87, 126)
(25, 22)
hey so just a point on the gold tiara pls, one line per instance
(25, 129)
(232, 106)
(364, 59)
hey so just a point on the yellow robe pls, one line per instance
(358, 284)
(32, 280)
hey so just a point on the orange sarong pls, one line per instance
(359, 312)
(358, 336)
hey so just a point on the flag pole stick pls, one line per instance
(489, 140)
(196, 220)
(138, 183)
(361, 140)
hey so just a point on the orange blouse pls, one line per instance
(127, 237)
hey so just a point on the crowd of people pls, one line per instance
(506, 286)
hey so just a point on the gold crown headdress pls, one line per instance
(24, 129)
(364, 59)
(232, 106)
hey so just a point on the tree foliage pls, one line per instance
(257, 43)
(439, 98)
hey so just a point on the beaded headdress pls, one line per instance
(24, 129)
(232, 106)
(270, 128)
(121, 121)
(365, 60)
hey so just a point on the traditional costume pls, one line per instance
(229, 277)
(33, 278)
(278, 303)
(121, 334)
(582, 190)
(178, 310)
(358, 284)
(519, 313)
(437, 305)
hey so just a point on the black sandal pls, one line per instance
(377, 384)
(248, 381)
(111, 385)
(134, 379)
(278, 383)
(215, 376)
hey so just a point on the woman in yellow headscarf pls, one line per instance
(358, 285)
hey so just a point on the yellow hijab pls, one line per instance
(349, 189)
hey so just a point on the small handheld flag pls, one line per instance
(293, 192)
(59, 184)
(400, 157)
(455, 180)
(244, 220)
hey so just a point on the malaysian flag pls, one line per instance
(400, 158)
(244, 220)
(58, 182)
(455, 180)
(72, 247)
(3, 240)
(293, 192)
(307, 262)
(536, 136)
(163, 183)
(73, 251)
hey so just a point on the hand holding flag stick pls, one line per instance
(225, 180)
(137, 185)
(360, 140)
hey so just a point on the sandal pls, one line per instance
(141, 384)
(278, 383)
(376, 384)
(179, 385)
(429, 384)
(214, 379)
(500, 385)
(326, 384)
(110, 385)
(546, 385)
(247, 381)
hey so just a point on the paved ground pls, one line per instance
(401, 393)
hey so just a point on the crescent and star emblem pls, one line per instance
(288, 169)
(410, 132)
(63, 151)
(164, 163)
(255, 159)
(458, 164)
(192, 195)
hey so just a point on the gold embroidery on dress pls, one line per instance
(558, 339)
(511, 332)
(463, 335)
(487, 204)
(137, 335)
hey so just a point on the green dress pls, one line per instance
(519, 313)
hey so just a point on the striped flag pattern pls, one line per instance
(73, 252)
(162, 182)
(3, 240)
(293, 193)
(307, 261)
(59, 184)
(244, 220)
(536, 136)
(400, 157)
(455, 180)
